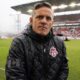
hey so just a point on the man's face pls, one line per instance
(42, 21)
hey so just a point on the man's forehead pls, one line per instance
(44, 11)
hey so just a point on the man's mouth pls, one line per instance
(43, 27)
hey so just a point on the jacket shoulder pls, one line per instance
(58, 42)
(57, 39)
(21, 37)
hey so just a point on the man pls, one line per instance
(37, 54)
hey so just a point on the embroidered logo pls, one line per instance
(53, 52)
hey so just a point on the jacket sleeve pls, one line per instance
(64, 70)
(15, 65)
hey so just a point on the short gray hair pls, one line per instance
(42, 4)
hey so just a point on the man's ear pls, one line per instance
(30, 20)
(52, 22)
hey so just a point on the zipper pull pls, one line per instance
(44, 50)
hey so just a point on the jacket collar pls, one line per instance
(37, 37)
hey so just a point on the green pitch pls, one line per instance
(73, 53)
(4, 47)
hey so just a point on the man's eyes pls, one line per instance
(48, 18)
(41, 17)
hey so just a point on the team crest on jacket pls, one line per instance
(53, 52)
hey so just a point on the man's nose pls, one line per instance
(44, 19)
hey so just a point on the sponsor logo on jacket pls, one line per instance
(53, 52)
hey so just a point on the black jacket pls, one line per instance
(33, 57)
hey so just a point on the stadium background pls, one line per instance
(67, 25)
(67, 16)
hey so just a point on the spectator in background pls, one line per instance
(37, 54)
